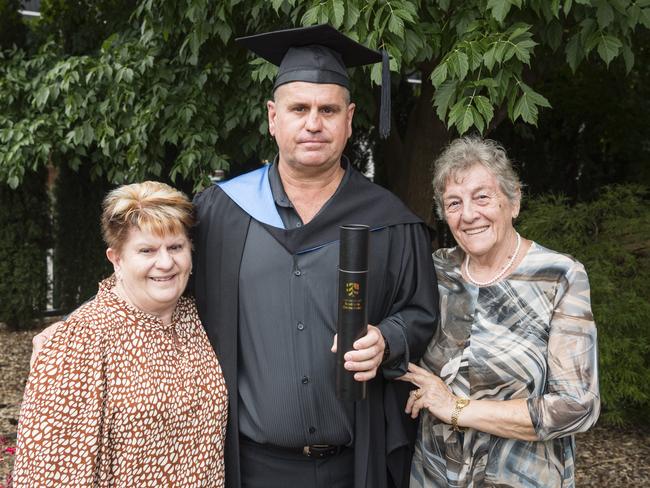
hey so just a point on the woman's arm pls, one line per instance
(39, 340)
(60, 424)
(571, 401)
(504, 418)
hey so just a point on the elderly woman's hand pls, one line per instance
(432, 394)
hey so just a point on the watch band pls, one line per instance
(460, 404)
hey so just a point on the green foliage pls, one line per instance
(610, 237)
(80, 27)
(170, 85)
(79, 259)
(24, 240)
(594, 135)
(130, 106)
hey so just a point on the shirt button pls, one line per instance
(299, 224)
(312, 430)
(305, 380)
(297, 272)
(300, 326)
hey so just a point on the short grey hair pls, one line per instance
(463, 153)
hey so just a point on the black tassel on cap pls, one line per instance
(384, 110)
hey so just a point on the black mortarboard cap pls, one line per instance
(320, 54)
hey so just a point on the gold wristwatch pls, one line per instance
(460, 404)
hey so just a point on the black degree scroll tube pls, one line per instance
(353, 315)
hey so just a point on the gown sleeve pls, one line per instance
(571, 402)
(414, 314)
(61, 415)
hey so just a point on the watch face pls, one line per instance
(463, 402)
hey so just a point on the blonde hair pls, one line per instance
(463, 153)
(149, 206)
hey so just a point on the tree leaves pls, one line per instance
(462, 81)
(329, 11)
(439, 75)
(458, 64)
(527, 105)
(484, 108)
(351, 16)
(644, 17)
(574, 52)
(444, 97)
(310, 17)
(628, 57)
(604, 13)
(499, 8)
(608, 48)
(337, 12)
(172, 84)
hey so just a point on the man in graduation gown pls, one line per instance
(265, 281)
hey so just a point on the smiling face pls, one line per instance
(311, 124)
(478, 213)
(154, 270)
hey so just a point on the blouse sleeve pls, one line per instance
(571, 402)
(61, 414)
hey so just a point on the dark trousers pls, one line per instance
(271, 467)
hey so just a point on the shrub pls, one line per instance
(79, 252)
(25, 237)
(611, 237)
(12, 28)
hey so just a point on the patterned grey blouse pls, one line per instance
(531, 335)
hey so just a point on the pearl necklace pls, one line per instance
(501, 273)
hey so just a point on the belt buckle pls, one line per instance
(318, 450)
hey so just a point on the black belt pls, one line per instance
(321, 451)
(315, 451)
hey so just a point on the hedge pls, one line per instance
(611, 237)
(79, 252)
(24, 240)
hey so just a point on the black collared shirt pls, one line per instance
(287, 322)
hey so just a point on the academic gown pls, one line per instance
(401, 279)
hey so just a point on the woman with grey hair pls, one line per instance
(511, 374)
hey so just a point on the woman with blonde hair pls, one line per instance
(128, 391)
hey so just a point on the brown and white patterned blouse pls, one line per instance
(117, 399)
